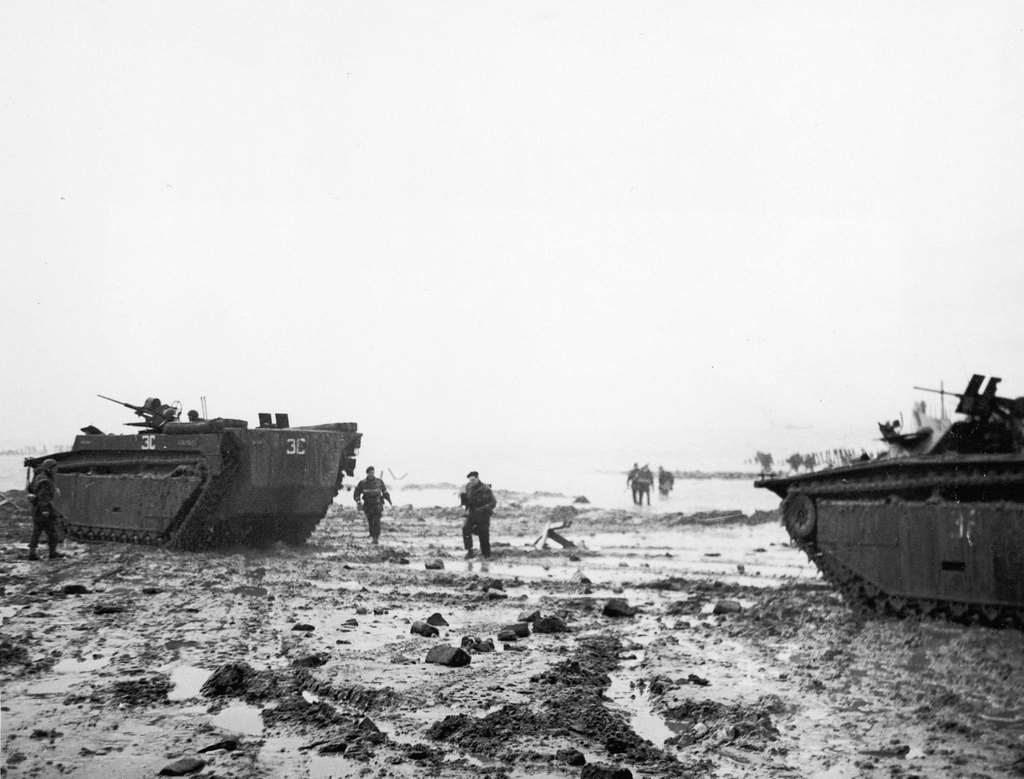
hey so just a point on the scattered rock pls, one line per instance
(550, 624)
(183, 766)
(107, 608)
(570, 757)
(741, 568)
(151, 590)
(619, 607)
(521, 629)
(75, 589)
(700, 681)
(605, 771)
(496, 594)
(473, 644)
(351, 622)
(51, 734)
(727, 607)
(529, 615)
(362, 610)
(434, 565)
(378, 610)
(314, 660)
(507, 634)
(12, 654)
(580, 499)
(895, 750)
(302, 627)
(575, 558)
(423, 629)
(516, 647)
(452, 656)
(437, 620)
(712, 554)
(760, 549)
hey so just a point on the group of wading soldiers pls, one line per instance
(476, 497)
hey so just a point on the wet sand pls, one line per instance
(118, 660)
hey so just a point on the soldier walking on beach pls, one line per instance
(634, 474)
(370, 495)
(44, 516)
(479, 502)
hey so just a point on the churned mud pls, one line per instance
(662, 646)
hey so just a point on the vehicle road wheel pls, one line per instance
(800, 516)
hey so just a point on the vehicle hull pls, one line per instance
(925, 534)
(219, 485)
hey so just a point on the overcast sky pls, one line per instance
(734, 225)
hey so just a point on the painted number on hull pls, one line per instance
(296, 446)
(148, 442)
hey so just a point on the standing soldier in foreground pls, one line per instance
(373, 493)
(44, 515)
(479, 502)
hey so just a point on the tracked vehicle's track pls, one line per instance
(860, 592)
(932, 487)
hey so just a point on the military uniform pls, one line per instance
(44, 515)
(373, 493)
(480, 503)
(643, 485)
(631, 482)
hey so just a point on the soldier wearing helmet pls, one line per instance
(44, 515)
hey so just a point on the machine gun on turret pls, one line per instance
(994, 424)
(155, 413)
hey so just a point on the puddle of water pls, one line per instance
(187, 680)
(642, 717)
(80, 666)
(239, 718)
(57, 686)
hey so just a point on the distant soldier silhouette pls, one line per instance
(634, 474)
(643, 482)
(666, 480)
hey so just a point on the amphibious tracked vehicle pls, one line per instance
(933, 525)
(202, 483)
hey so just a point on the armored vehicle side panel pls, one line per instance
(194, 486)
(934, 532)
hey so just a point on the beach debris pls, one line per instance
(727, 607)
(605, 771)
(529, 615)
(619, 607)
(423, 629)
(183, 766)
(570, 756)
(452, 656)
(550, 624)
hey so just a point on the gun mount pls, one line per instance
(154, 413)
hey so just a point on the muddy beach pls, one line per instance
(662, 646)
